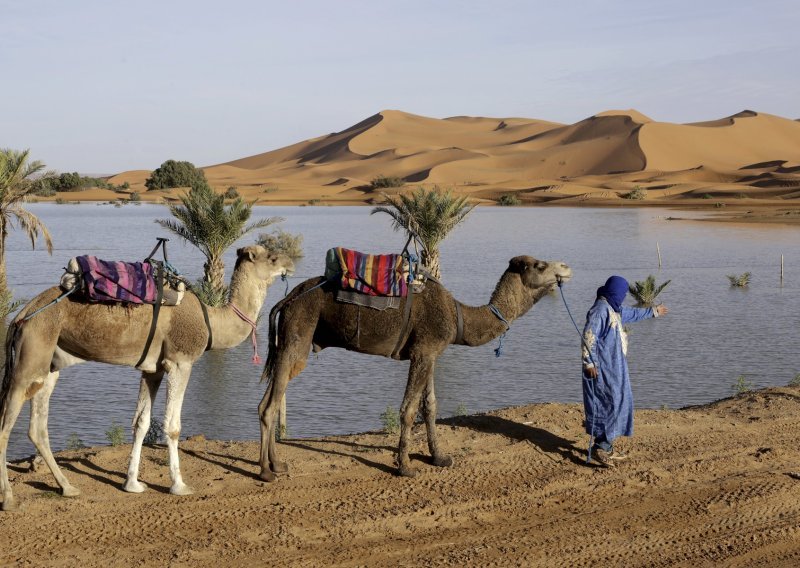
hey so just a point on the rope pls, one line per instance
(286, 281)
(57, 300)
(496, 312)
(238, 312)
(591, 381)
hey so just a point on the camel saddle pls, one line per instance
(148, 282)
(370, 274)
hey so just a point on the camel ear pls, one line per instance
(246, 252)
(519, 264)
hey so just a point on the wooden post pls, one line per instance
(282, 418)
(658, 250)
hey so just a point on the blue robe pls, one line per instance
(608, 400)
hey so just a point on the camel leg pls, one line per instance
(12, 405)
(418, 372)
(148, 387)
(39, 435)
(286, 368)
(429, 412)
(176, 388)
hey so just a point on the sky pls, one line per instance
(104, 86)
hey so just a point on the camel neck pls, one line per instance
(230, 328)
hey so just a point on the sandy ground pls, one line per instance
(704, 486)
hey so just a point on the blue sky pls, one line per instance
(102, 86)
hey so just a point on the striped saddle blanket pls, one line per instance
(115, 281)
(371, 274)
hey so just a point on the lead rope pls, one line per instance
(496, 312)
(238, 312)
(591, 381)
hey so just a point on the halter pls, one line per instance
(247, 320)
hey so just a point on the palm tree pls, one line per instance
(645, 291)
(428, 215)
(203, 220)
(16, 184)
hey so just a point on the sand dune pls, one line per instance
(602, 158)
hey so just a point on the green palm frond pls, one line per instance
(32, 226)
(645, 291)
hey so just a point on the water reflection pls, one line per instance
(713, 334)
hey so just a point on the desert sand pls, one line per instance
(746, 166)
(704, 486)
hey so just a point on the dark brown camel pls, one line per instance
(311, 317)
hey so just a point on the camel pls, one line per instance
(309, 316)
(74, 331)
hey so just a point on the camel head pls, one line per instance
(537, 274)
(265, 265)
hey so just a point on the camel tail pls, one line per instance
(272, 351)
(12, 339)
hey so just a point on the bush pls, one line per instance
(382, 181)
(280, 241)
(231, 193)
(174, 174)
(134, 196)
(742, 385)
(645, 291)
(461, 410)
(509, 199)
(74, 442)
(638, 193)
(115, 434)
(391, 420)
(740, 281)
(795, 382)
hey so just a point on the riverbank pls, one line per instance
(704, 485)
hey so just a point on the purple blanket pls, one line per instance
(109, 281)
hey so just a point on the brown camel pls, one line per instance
(311, 317)
(73, 331)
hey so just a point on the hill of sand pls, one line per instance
(744, 160)
(705, 486)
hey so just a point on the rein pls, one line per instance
(496, 312)
(252, 324)
(591, 381)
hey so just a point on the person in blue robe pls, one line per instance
(607, 395)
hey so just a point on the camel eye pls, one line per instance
(540, 266)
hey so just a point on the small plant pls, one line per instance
(270, 189)
(209, 295)
(795, 382)
(461, 410)
(638, 193)
(155, 433)
(719, 205)
(391, 420)
(115, 434)
(232, 193)
(705, 196)
(742, 385)
(664, 407)
(314, 201)
(134, 196)
(280, 241)
(509, 200)
(8, 305)
(74, 442)
(382, 182)
(60, 201)
(740, 281)
(645, 291)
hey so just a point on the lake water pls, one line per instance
(712, 335)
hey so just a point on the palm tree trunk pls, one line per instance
(215, 273)
(3, 277)
(430, 260)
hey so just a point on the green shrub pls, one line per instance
(461, 410)
(115, 434)
(382, 181)
(210, 296)
(283, 242)
(740, 281)
(795, 382)
(232, 193)
(509, 200)
(270, 189)
(174, 174)
(742, 385)
(645, 291)
(134, 196)
(391, 420)
(638, 193)
(74, 442)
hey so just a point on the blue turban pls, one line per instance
(614, 291)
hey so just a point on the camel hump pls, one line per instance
(371, 274)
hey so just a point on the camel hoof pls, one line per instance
(10, 504)
(407, 472)
(280, 467)
(443, 461)
(70, 491)
(267, 475)
(181, 489)
(134, 486)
